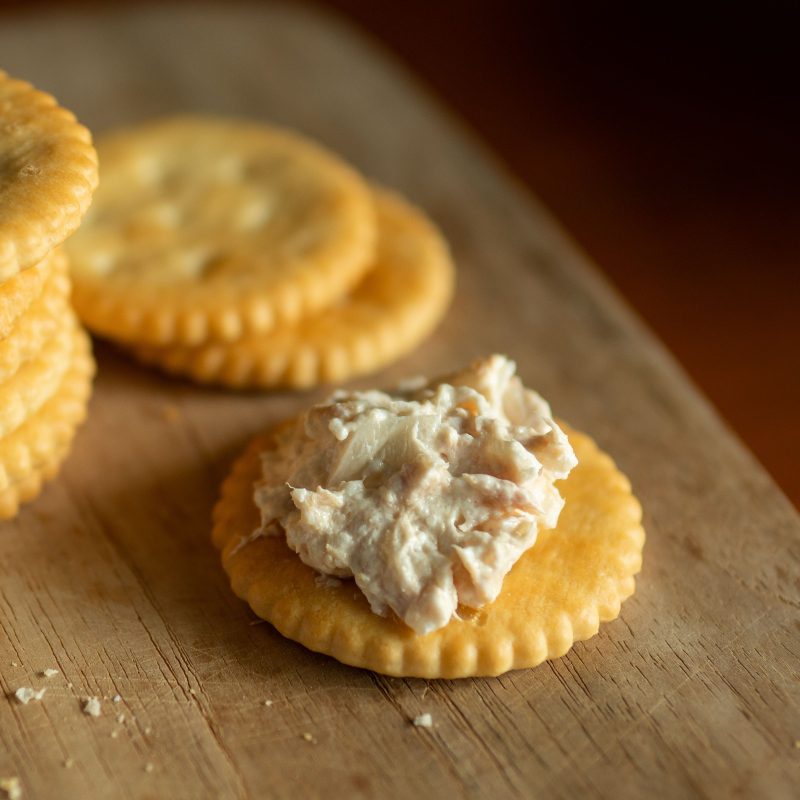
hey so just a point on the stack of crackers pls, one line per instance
(235, 253)
(48, 171)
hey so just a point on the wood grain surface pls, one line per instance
(110, 577)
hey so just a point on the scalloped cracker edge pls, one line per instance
(17, 294)
(37, 323)
(397, 305)
(36, 381)
(35, 451)
(49, 175)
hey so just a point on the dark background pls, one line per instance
(665, 139)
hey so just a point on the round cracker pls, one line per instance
(397, 305)
(33, 453)
(30, 486)
(208, 227)
(48, 171)
(35, 382)
(18, 293)
(38, 323)
(575, 577)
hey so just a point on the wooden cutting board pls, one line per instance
(110, 577)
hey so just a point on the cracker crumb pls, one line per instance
(116, 699)
(192, 691)
(91, 706)
(11, 787)
(49, 672)
(309, 738)
(25, 694)
(268, 702)
(423, 721)
(114, 734)
(120, 718)
(425, 691)
(69, 685)
(148, 730)
(69, 763)
(148, 767)
(14, 664)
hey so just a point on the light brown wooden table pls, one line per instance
(110, 576)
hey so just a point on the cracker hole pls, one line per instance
(214, 264)
(186, 264)
(301, 241)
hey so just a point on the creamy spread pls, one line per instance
(425, 496)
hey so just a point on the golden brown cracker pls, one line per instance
(216, 228)
(34, 451)
(48, 171)
(30, 485)
(18, 293)
(38, 323)
(398, 303)
(24, 392)
(575, 577)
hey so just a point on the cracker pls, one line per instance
(22, 394)
(30, 486)
(17, 293)
(33, 453)
(395, 307)
(208, 227)
(38, 323)
(48, 171)
(575, 577)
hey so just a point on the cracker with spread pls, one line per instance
(457, 528)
